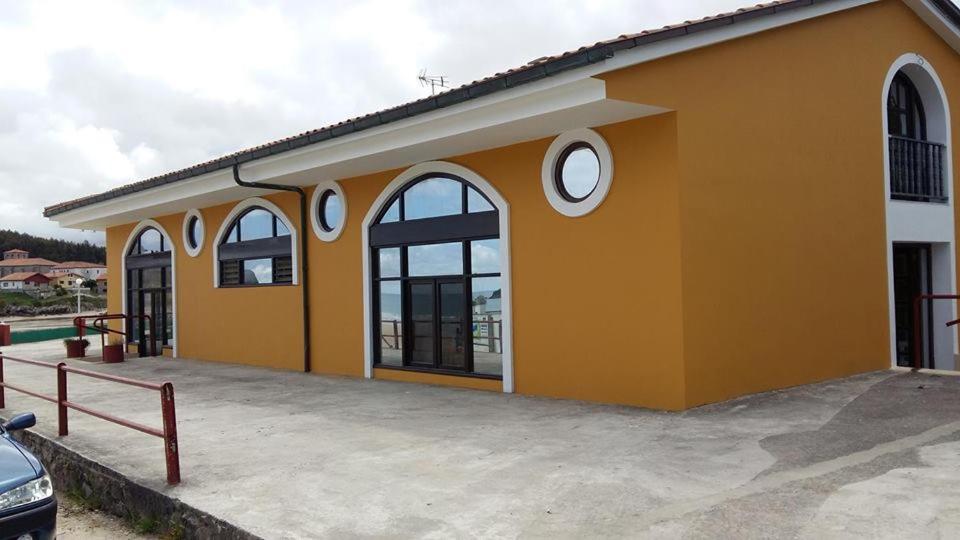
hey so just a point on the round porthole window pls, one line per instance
(193, 231)
(329, 211)
(577, 171)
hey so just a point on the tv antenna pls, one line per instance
(433, 81)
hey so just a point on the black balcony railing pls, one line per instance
(917, 169)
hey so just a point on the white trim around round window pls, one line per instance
(192, 249)
(328, 232)
(559, 150)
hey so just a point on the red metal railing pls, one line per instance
(918, 324)
(103, 329)
(167, 406)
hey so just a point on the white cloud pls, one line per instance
(99, 93)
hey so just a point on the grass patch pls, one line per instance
(91, 502)
(17, 299)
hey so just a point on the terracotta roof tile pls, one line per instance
(32, 261)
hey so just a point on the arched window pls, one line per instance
(256, 250)
(435, 252)
(905, 116)
(150, 287)
(917, 164)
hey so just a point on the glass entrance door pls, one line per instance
(437, 310)
(153, 331)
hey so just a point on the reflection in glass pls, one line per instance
(579, 173)
(391, 327)
(390, 262)
(256, 224)
(257, 271)
(477, 202)
(151, 278)
(487, 326)
(392, 214)
(452, 338)
(151, 241)
(433, 197)
(282, 229)
(168, 315)
(331, 210)
(485, 256)
(435, 259)
(422, 317)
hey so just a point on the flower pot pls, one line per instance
(112, 354)
(75, 348)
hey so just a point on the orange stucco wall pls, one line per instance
(782, 195)
(741, 247)
(565, 325)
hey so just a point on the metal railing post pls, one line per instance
(170, 444)
(62, 399)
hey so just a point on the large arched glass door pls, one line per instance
(150, 290)
(437, 280)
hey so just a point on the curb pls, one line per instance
(119, 495)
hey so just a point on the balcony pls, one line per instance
(917, 170)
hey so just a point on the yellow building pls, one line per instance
(665, 219)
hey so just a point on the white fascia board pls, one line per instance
(531, 101)
(931, 15)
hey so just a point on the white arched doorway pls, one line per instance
(474, 185)
(135, 259)
(918, 189)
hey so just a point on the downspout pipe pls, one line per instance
(304, 275)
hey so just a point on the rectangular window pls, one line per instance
(487, 326)
(435, 259)
(257, 271)
(283, 270)
(230, 272)
(485, 256)
(389, 262)
(391, 327)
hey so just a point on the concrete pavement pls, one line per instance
(291, 455)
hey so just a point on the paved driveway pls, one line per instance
(289, 455)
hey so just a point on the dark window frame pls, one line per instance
(404, 234)
(274, 247)
(558, 170)
(135, 262)
(321, 210)
(912, 109)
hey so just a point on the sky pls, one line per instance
(97, 94)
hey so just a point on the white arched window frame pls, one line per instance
(149, 223)
(241, 207)
(503, 210)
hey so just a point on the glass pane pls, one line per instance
(487, 326)
(151, 278)
(421, 316)
(257, 271)
(393, 213)
(477, 202)
(168, 316)
(134, 309)
(391, 327)
(435, 259)
(133, 279)
(580, 173)
(256, 224)
(147, 324)
(390, 262)
(151, 241)
(282, 229)
(452, 338)
(194, 231)
(232, 235)
(331, 210)
(433, 197)
(485, 256)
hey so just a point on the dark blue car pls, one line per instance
(28, 509)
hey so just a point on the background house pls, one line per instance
(18, 261)
(24, 281)
(83, 269)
